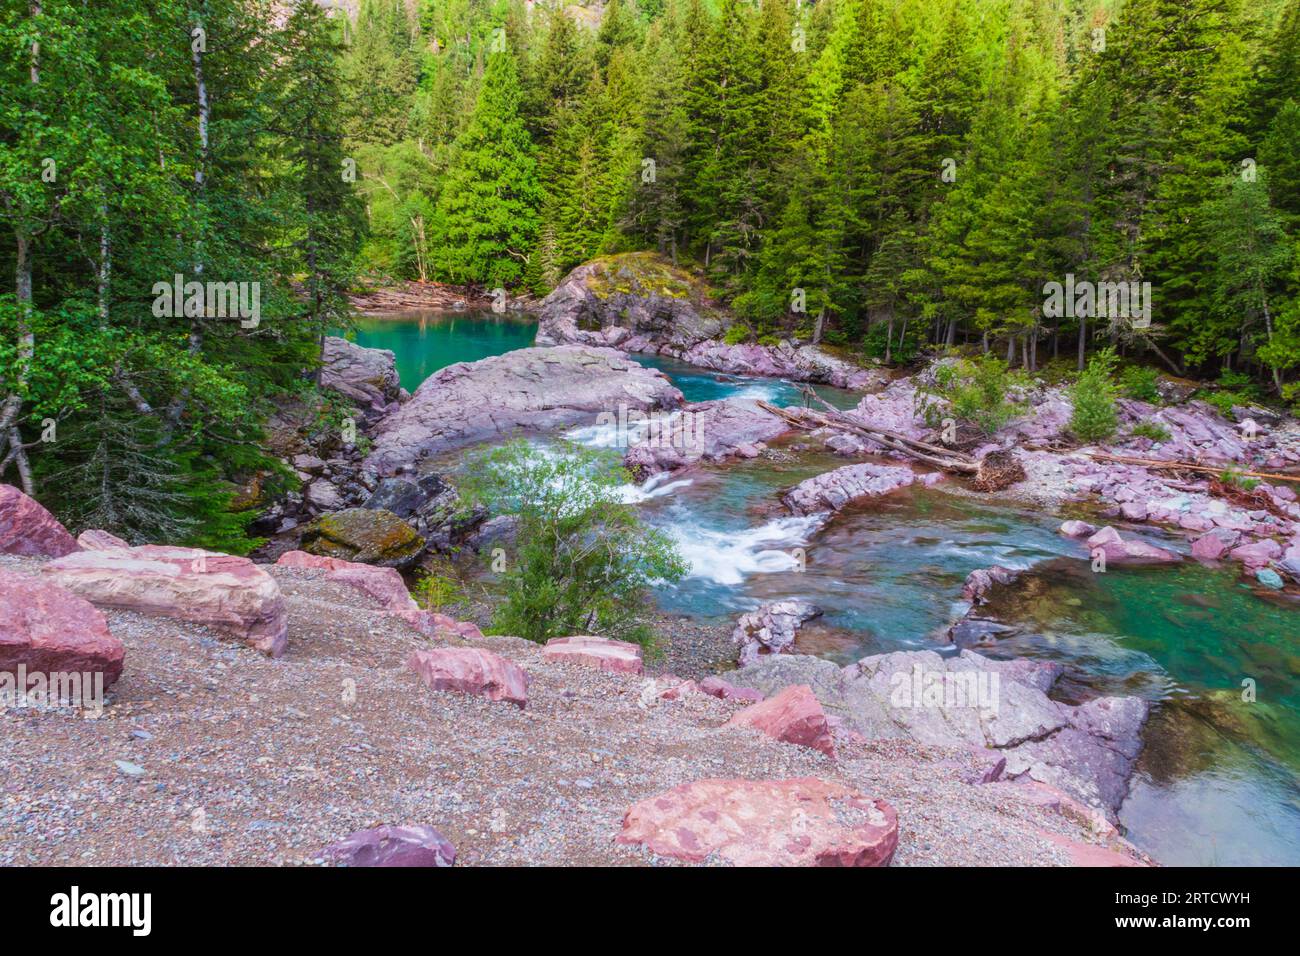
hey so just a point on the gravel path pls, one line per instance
(231, 758)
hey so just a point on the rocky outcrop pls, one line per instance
(471, 670)
(385, 585)
(833, 490)
(792, 716)
(46, 629)
(537, 388)
(392, 846)
(366, 376)
(27, 528)
(771, 628)
(799, 363)
(800, 822)
(621, 657)
(706, 431)
(219, 590)
(365, 536)
(981, 582)
(971, 701)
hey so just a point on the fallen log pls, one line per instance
(1161, 464)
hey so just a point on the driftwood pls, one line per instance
(1189, 466)
(935, 455)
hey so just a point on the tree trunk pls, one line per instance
(1083, 339)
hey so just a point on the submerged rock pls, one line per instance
(800, 822)
(981, 582)
(771, 628)
(535, 388)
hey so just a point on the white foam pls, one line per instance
(728, 557)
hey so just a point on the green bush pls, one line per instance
(1093, 395)
(1139, 382)
(736, 334)
(770, 340)
(583, 560)
(976, 392)
(1153, 430)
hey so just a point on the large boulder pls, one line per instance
(799, 822)
(46, 629)
(537, 388)
(620, 657)
(833, 490)
(226, 592)
(799, 363)
(981, 582)
(1121, 550)
(707, 431)
(27, 528)
(471, 670)
(970, 701)
(771, 629)
(793, 716)
(366, 376)
(365, 536)
(393, 846)
(385, 585)
(634, 295)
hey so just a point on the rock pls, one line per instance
(998, 469)
(405, 497)
(46, 629)
(798, 822)
(1214, 544)
(1077, 529)
(971, 701)
(1257, 554)
(220, 590)
(128, 768)
(433, 624)
(27, 528)
(980, 582)
(1174, 391)
(1119, 550)
(706, 431)
(798, 363)
(364, 535)
(1290, 567)
(1270, 579)
(393, 846)
(537, 388)
(633, 295)
(96, 540)
(322, 495)
(309, 464)
(793, 716)
(977, 632)
(366, 376)
(471, 670)
(771, 629)
(385, 585)
(609, 655)
(833, 490)
(717, 687)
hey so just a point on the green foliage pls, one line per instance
(1139, 382)
(1093, 395)
(583, 559)
(972, 390)
(737, 333)
(1152, 430)
(436, 590)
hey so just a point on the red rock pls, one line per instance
(385, 585)
(798, 822)
(672, 687)
(1213, 545)
(219, 590)
(48, 629)
(97, 540)
(609, 655)
(27, 528)
(794, 716)
(471, 670)
(718, 687)
(1077, 529)
(1257, 554)
(1120, 550)
(393, 846)
(431, 624)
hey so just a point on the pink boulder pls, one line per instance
(393, 846)
(432, 624)
(1213, 545)
(609, 655)
(97, 540)
(27, 528)
(220, 590)
(794, 716)
(718, 687)
(385, 585)
(471, 670)
(1077, 529)
(48, 629)
(1257, 554)
(1120, 550)
(798, 822)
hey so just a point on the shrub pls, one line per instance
(736, 334)
(436, 590)
(1139, 382)
(583, 559)
(1093, 395)
(976, 392)
(1153, 430)
(770, 340)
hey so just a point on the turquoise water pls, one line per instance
(427, 341)
(1219, 778)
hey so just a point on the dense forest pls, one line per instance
(881, 175)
